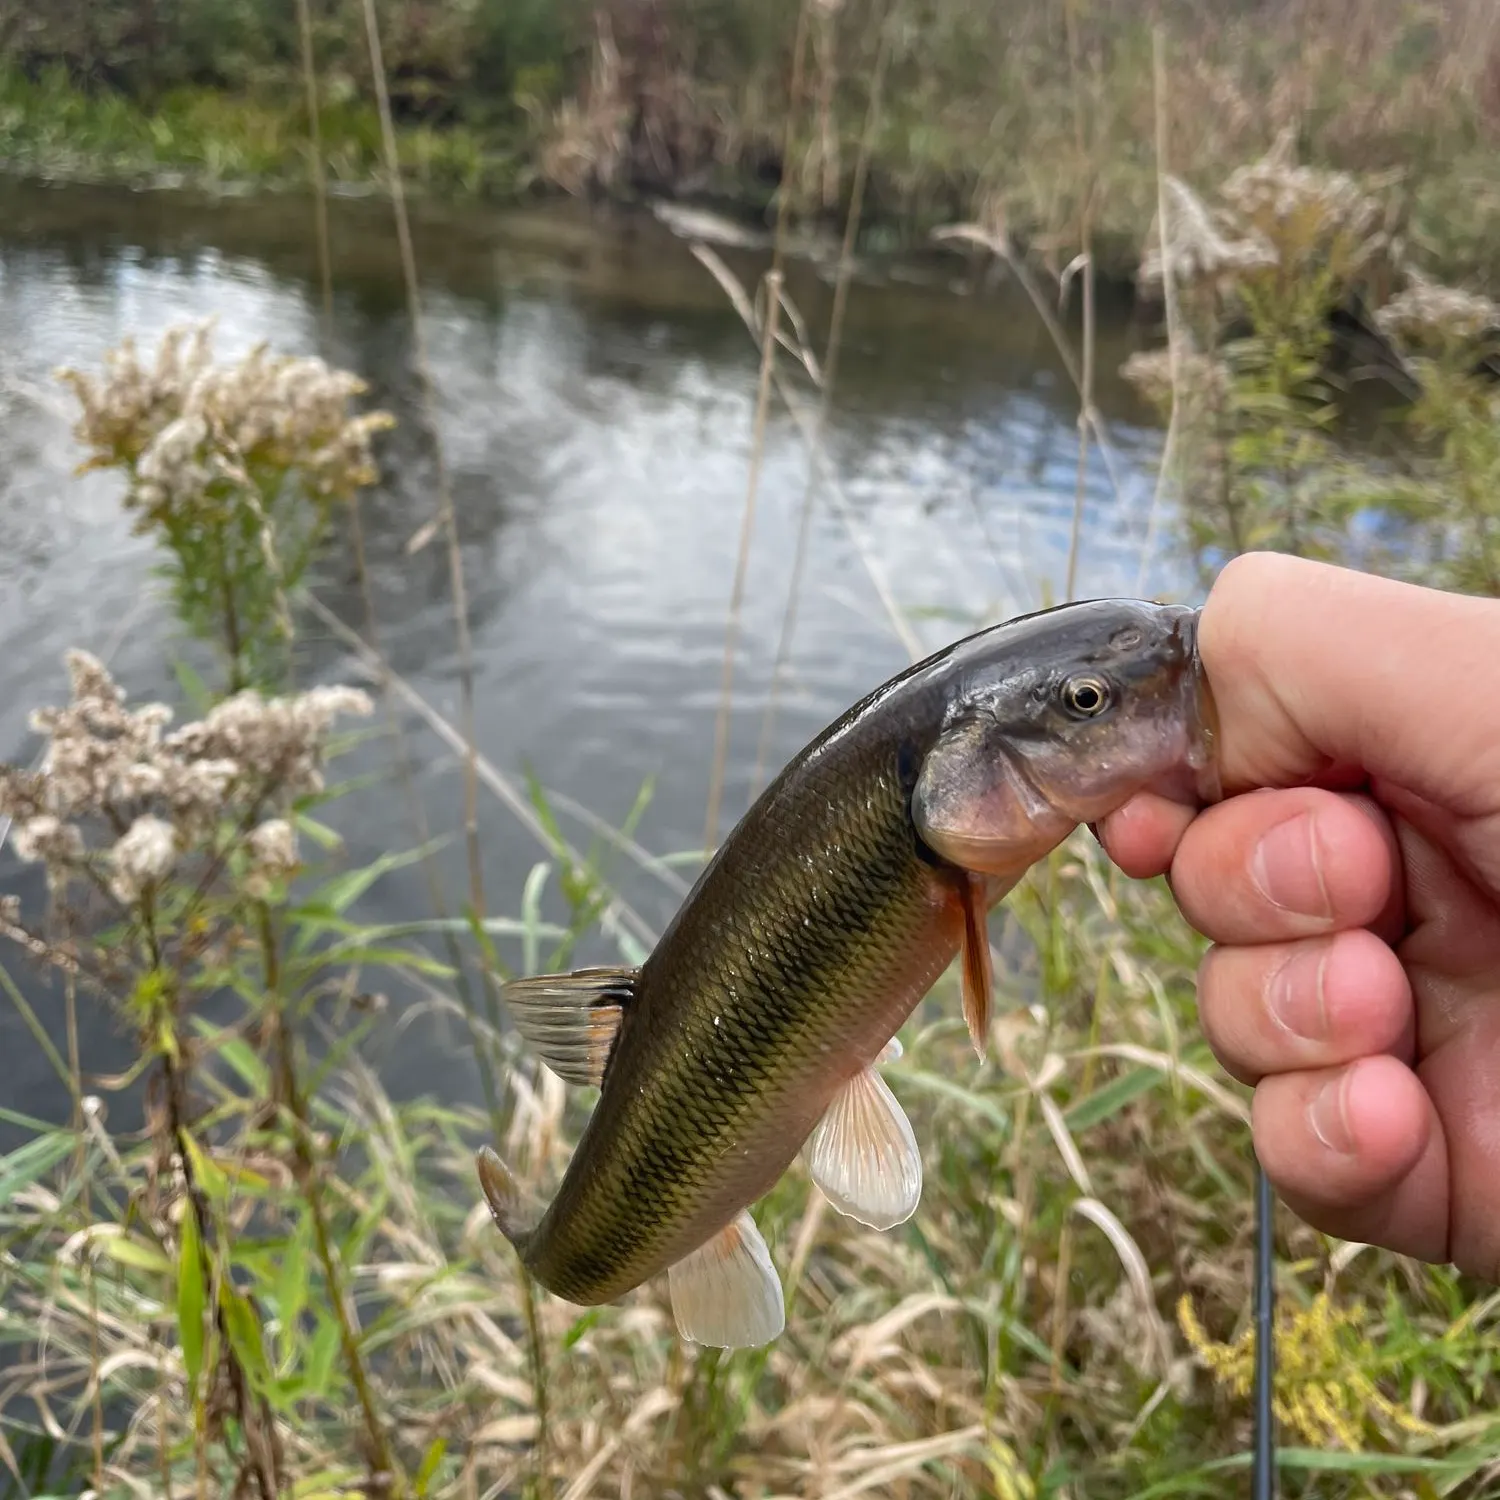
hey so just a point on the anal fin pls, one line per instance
(863, 1153)
(571, 1021)
(978, 966)
(726, 1294)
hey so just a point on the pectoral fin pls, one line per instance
(571, 1021)
(726, 1294)
(863, 1153)
(978, 967)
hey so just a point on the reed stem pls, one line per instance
(747, 522)
(387, 1477)
(1169, 293)
(825, 398)
(319, 175)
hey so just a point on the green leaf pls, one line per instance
(238, 1053)
(243, 1328)
(340, 893)
(132, 1252)
(632, 951)
(580, 1327)
(537, 795)
(352, 1248)
(320, 833)
(194, 689)
(190, 1299)
(1113, 1097)
(341, 955)
(208, 1174)
(26, 1122)
(638, 807)
(321, 1353)
(935, 1084)
(26, 1163)
(1370, 1463)
(291, 1287)
(430, 1461)
(480, 932)
(531, 914)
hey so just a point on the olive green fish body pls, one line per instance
(831, 910)
(809, 939)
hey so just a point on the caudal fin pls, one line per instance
(503, 1194)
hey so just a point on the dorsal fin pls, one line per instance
(571, 1020)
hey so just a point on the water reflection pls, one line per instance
(595, 400)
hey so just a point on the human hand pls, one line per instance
(1351, 886)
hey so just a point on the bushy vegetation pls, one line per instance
(1044, 111)
(1262, 388)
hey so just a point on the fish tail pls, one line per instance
(503, 1194)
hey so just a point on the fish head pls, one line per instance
(1059, 719)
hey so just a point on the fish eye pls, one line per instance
(1086, 696)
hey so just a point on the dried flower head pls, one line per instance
(276, 739)
(1273, 213)
(187, 424)
(108, 768)
(143, 856)
(49, 840)
(1202, 381)
(235, 467)
(272, 847)
(125, 407)
(1200, 249)
(1427, 313)
(1305, 213)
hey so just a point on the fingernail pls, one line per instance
(1294, 994)
(1327, 1116)
(1286, 868)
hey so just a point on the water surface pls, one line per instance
(596, 396)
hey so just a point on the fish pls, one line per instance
(758, 1025)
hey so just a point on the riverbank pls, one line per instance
(1045, 120)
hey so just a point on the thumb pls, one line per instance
(1327, 675)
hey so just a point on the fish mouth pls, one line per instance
(1202, 712)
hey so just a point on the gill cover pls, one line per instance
(976, 807)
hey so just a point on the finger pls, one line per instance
(1317, 1003)
(1315, 667)
(1452, 956)
(1358, 1152)
(1142, 836)
(1464, 1082)
(1275, 865)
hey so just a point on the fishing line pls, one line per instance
(1263, 1459)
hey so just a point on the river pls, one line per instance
(596, 396)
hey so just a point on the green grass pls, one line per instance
(1000, 1342)
(50, 127)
